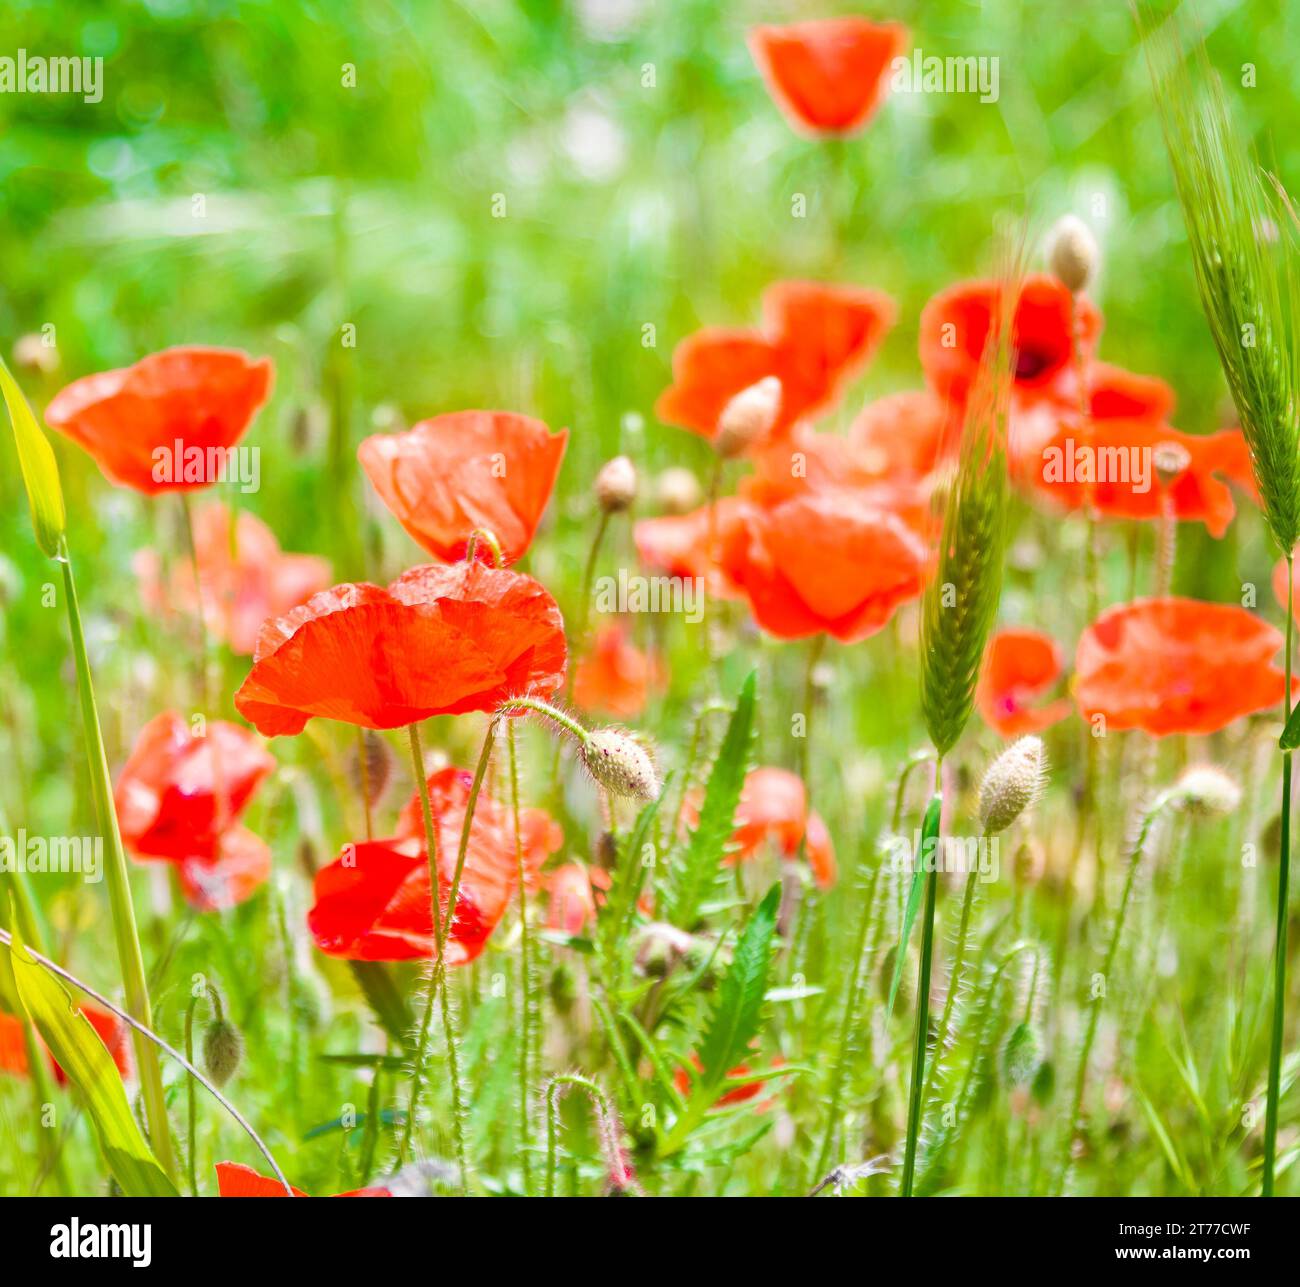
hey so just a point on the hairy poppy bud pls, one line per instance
(1012, 784)
(748, 417)
(1023, 1054)
(223, 1050)
(1206, 791)
(619, 763)
(678, 490)
(616, 485)
(1073, 254)
(1170, 459)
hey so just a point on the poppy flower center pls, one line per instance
(1032, 363)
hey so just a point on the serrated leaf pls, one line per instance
(929, 833)
(695, 874)
(39, 469)
(89, 1066)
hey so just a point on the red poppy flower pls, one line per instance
(440, 640)
(905, 435)
(240, 866)
(235, 1180)
(178, 793)
(1019, 666)
(740, 1095)
(815, 337)
(828, 76)
(576, 891)
(108, 1027)
(955, 325)
(835, 561)
(243, 581)
(615, 676)
(154, 426)
(774, 807)
(678, 544)
(1177, 666)
(373, 902)
(445, 477)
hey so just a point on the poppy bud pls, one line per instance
(563, 988)
(748, 417)
(678, 490)
(1029, 862)
(616, 485)
(1072, 254)
(1012, 784)
(619, 763)
(31, 353)
(1206, 791)
(1022, 1054)
(223, 1050)
(1170, 460)
(371, 766)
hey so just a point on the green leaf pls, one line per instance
(698, 870)
(1290, 738)
(39, 468)
(89, 1066)
(929, 833)
(385, 1000)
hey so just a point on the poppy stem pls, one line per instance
(954, 979)
(119, 886)
(525, 974)
(205, 683)
(1280, 941)
(363, 768)
(438, 975)
(536, 706)
(1151, 813)
(489, 539)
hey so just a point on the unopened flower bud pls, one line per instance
(678, 490)
(33, 353)
(619, 763)
(1206, 791)
(223, 1050)
(1012, 784)
(1072, 253)
(1023, 1054)
(616, 485)
(748, 417)
(1170, 460)
(563, 988)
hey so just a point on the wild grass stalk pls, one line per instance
(1247, 267)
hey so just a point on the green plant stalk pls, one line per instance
(190, 1108)
(954, 981)
(119, 887)
(525, 973)
(1280, 941)
(1108, 964)
(200, 617)
(916, 1102)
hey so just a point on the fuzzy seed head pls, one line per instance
(1206, 791)
(223, 1050)
(619, 763)
(615, 485)
(748, 417)
(1072, 253)
(1012, 784)
(678, 490)
(1023, 1054)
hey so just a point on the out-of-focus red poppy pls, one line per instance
(441, 640)
(1176, 665)
(815, 336)
(906, 435)
(837, 561)
(240, 866)
(678, 544)
(741, 1094)
(373, 902)
(615, 677)
(445, 477)
(1111, 464)
(830, 75)
(157, 425)
(1020, 666)
(576, 891)
(243, 581)
(955, 325)
(178, 793)
(108, 1027)
(774, 807)
(235, 1180)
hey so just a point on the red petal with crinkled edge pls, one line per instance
(445, 477)
(235, 1180)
